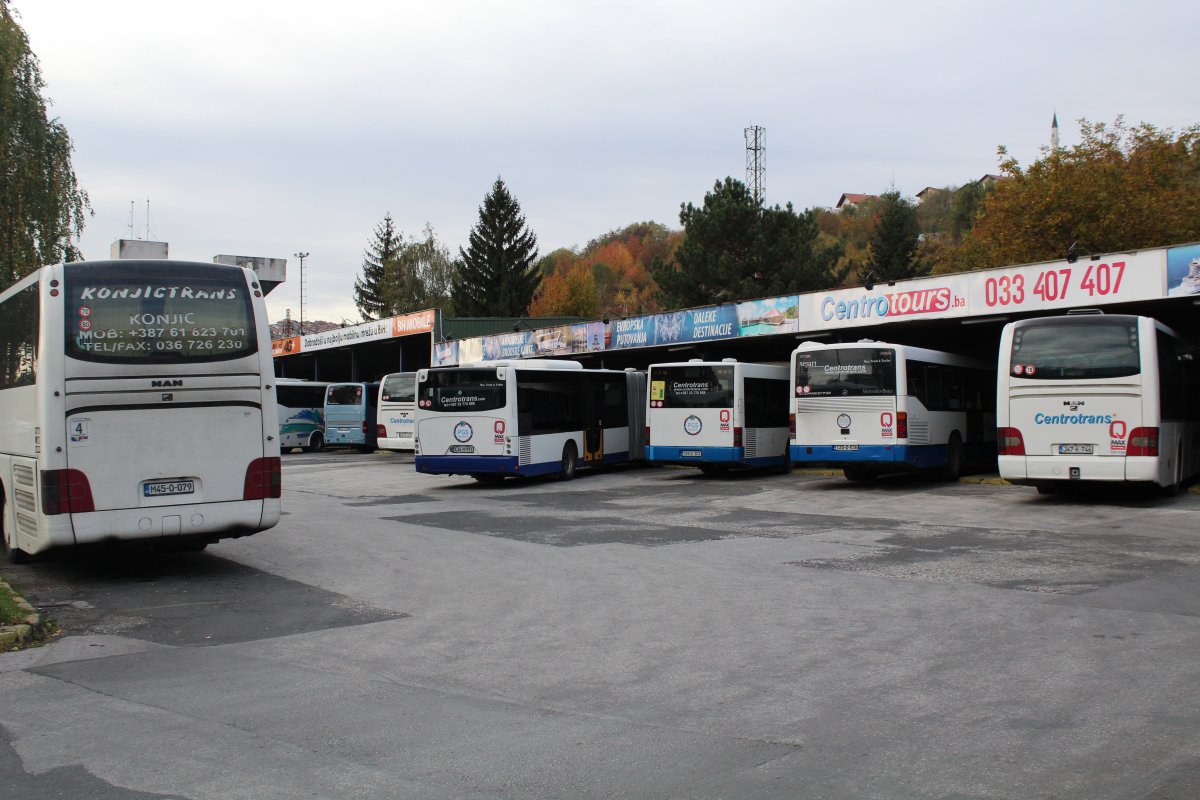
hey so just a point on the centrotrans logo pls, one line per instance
(1072, 419)
(463, 431)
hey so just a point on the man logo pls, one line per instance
(165, 384)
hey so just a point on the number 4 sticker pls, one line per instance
(80, 432)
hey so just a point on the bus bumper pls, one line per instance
(898, 455)
(471, 465)
(208, 521)
(389, 443)
(695, 455)
(1034, 470)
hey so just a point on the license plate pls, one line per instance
(845, 448)
(462, 448)
(404, 435)
(162, 488)
(690, 454)
(1075, 449)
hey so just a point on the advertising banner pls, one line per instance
(518, 344)
(470, 350)
(445, 354)
(632, 332)
(765, 317)
(926, 298)
(284, 347)
(1115, 278)
(363, 332)
(1183, 270)
(418, 322)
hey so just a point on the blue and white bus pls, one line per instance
(301, 407)
(873, 407)
(350, 418)
(492, 419)
(718, 414)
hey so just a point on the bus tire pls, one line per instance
(315, 443)
(954, 455)
(569, 462)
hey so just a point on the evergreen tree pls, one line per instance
(42, 208)
(734, 249)
(893, 247)
(496, 275)
(369, 290)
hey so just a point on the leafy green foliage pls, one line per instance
(496, 275)
(42, 209)
(419, 275)
(734, 249)
(369, 292)
(892, 249)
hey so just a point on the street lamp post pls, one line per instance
(301, 256)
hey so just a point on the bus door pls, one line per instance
(593, 421)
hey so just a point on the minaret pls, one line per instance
(1054, 132)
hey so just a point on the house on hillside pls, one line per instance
(850, 199)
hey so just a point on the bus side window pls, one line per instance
(953, 387)
(933, 389)
(916, 381)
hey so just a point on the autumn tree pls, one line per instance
(369, 290)
(1120, 188)
(42, 208)
(418, 275)
(892, 249)
(734, 248)
(496, 275)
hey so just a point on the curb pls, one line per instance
(18, 634)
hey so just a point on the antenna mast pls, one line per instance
(756, 147)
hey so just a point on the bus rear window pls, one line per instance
(849, 372)
(461, 390)
(348, 394)
(157, 312)
(701, 386)
(400, 388)
(1075, 351)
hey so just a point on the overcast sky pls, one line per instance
(268, 128)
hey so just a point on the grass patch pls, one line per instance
(10, 612)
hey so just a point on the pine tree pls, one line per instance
(496, 276)
(43, 207)
(893, 247)
(369, 291)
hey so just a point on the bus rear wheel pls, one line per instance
(859, 474)
(315, 443)
(569, 462)
(952, 469)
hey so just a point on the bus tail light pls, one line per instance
(1143, 442)
(380, 432)
(364, 427)
(66, 491)
(901, 424)
(264, 479)
(1009, 442)
(647, 442)
(737, 437)
(792, 425)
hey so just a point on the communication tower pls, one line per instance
(756, 147)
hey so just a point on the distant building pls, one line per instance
(850, 199)
(928, 192)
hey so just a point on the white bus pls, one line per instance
(136, 403)
(490, 419)
(301, 408)
(718, 414)
(874, 407)
(1097, 397)
(397, 410)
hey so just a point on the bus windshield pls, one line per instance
(457, 390)
(400, 388)
(149, 313)
(846, 372)
(347, 394)
(701, 386)
(1070, 351)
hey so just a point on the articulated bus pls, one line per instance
(397, 410)
(873, 407)
(350, 416)
(490, 419)
(301, 407)
(718, 414)
(1097, 397)
(136, 403)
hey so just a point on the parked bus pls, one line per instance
(490, 419)
(301, 406)
(350, 415)
(874, 407)
(136, 403)
(718, 414)
(1097, 397)
(397, 410)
